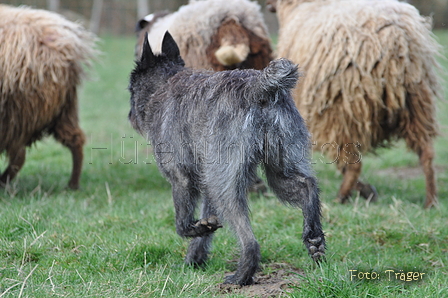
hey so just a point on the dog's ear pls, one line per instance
(169, 46)
(148, 58)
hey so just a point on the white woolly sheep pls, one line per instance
(213, 34)
(41, 63)
(370, 78)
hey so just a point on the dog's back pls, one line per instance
(180, 106)
(229, 108)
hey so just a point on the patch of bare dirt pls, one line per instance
(275, 283)
(403, 173)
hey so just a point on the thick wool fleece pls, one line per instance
(370, 71)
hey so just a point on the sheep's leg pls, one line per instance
(351, 174)
(366, 191)
(426, 155)
(68, 132)
(350, 182)
(301, 190)
(350, 164)
(259, 187)
(16, 161)
(77, 157)
(199, 247)
(73, 138)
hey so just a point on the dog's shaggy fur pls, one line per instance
(41, 64)
(213, 34)
(210, 130)
(370, 78)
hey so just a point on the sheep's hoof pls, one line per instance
(342, 199)
(431, 202)
(367, 191)
(73, 186)
(316, 249)
(259, 188)
(203, 227)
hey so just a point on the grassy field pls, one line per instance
(116, 236)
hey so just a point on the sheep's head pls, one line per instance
(233, 40)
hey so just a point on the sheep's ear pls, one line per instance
(140, 25)
(148, 58)
(169, 46)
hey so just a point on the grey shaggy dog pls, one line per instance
(210, 131)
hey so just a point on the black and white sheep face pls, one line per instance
(213, 34)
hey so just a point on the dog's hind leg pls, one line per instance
(229, 197)
(300, 190)
(199, 247)
(235, 211)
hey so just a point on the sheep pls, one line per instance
(370, 79)
(42, 56)
(214, 34)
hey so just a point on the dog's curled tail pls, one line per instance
(280, 74)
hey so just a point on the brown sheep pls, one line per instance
(41, 63)
(370, 78)
(213, 34)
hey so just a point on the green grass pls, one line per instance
(116, 236)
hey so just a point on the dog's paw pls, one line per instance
(235, 280)
(316, 249)
(203, 227)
